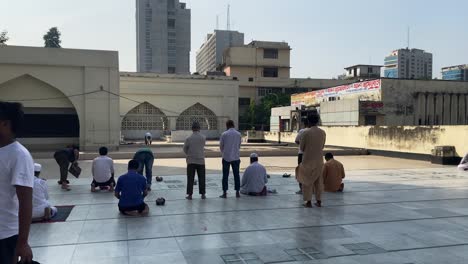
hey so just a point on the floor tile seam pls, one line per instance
(270, 209)
(257, 230)
(291, 194)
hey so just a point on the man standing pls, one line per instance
(131, 192)
(230, 144)
(194, 148)
(300, 154)
(255, 178)
(333, 174)
(145, 158)
(309, 172)
(16, 188)
(42, 210)
(103, 171)
(64, 158)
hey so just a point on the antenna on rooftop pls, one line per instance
(408, 38)
(217, 22)
(228, 26)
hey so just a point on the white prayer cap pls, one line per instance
(37, 167)
(254, 155)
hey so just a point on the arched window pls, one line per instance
(200, 113)
(145, 117)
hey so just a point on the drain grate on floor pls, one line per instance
(302, 254)
(364, 248)
(242, 258)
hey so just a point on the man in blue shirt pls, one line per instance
(229, 144)
(131, 191)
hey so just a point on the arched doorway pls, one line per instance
(50, 120)
(198, 112)
(144, 118)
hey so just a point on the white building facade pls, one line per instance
(210, 54)
(69, 96)
(167, 105)
(408, 64)
(163, 36)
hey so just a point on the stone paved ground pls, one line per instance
(397, 215)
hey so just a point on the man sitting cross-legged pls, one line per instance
(255, 178)
(41, 205)
(131, 191)
(333, 174)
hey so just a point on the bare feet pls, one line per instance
(238, 194)
(188, 197)
(318, 204)
(65, 187)
(203, 197)
(47, 214)
(308, 204)
(224, 196)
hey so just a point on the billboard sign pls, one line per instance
(315, 97)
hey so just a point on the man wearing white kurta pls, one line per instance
(42, 210)
(255, 178)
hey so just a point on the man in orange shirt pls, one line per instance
(333, 174)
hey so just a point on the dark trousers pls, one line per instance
(110, 182)
(62, 160)
(299, 161)
(235, 170)
(146, 160)
(8, 250)
(201, 172)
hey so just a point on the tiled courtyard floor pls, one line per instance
(385, 216)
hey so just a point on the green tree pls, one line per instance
(4, 37)
(52, 38)
(259, 114)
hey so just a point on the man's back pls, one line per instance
(103, 167)
(230, 144)
(254, 178)
(333, 174)
(312, 144)
(194, 148)
(131, 187)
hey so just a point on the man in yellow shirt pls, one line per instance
(333, 174)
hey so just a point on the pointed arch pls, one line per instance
(197, 112)
(143, 118)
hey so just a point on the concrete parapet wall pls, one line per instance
(407, 139)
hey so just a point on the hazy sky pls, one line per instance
(325, 35)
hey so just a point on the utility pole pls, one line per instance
(228, 25)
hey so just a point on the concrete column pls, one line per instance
(420, 110)
(454, 110)
(439, 110)
(172, 122)
(430, 109)
(447, 109)
(462, 110)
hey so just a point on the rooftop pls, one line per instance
(363, 65)
(269, 44)
(176, 76)
(392, 211)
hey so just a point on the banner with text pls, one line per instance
(315, 97)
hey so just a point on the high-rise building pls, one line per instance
(408, 64)
(163, 36)
(210, 54)
(455, 73)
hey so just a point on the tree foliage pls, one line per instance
(52, 38)
(4, 37)
(258, 116)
